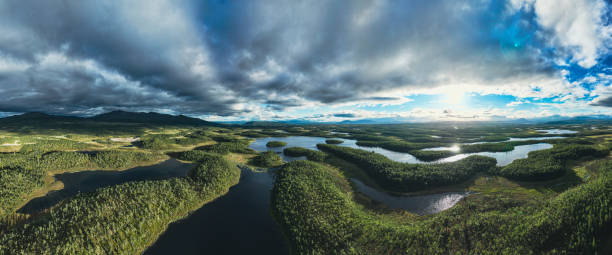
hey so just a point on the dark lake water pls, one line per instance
(236, 223)
(87, 181)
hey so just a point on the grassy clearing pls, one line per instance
(267, 159)
(239, 158)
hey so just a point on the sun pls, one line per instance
(453, 96)
(454, 99)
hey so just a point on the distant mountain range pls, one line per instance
(114, 116)
(160, 118)
(554, 119)
(583, 119)
(149, 117)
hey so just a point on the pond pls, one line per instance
(421, 205)
(86, 181)
(534, 138)
(555, 131)
(310, 142)
(514, 139)
(503, 158)
(237, 223)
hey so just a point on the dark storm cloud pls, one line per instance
(339, 51)
(382, 98)
(344, 115)
(604, 102)
(144, 56)
(215, 57)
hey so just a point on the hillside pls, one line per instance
(149, 117)
(38, 118)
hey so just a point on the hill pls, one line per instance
(33, 117)
(150, 117)
(591, 119)
(43, 119)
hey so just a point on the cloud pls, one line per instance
(260, 58)
(607, 101)
(344, 115)
(330, 52)
(74, 56)
(580, 27)
(602, 90)
(517, 102)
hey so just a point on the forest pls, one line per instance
(550, 201)
(140, 212)
(398, 176)
(306, 127)
(551, 163)
(303, 152)
(321, 217)
(272, 144)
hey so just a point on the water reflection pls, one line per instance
(503, 158)
(424, 204)
(535, 138)
(292, 141)
(555, 131)
(454, 148)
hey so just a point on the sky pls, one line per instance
(318, 60)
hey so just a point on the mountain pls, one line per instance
(114, 116)
(553, 119)
(262, 123)
(150, 117)
(584, 119)
(37, 117)
(375, 121)
(310, 122)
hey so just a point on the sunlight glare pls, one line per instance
(454, 96)
(455, 148)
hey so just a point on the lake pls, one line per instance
(237, 223)
(534, 138)
(557, 131)
(503, 158)
(310, 142)
(240, 221)
(87, 181)
(421, 205)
